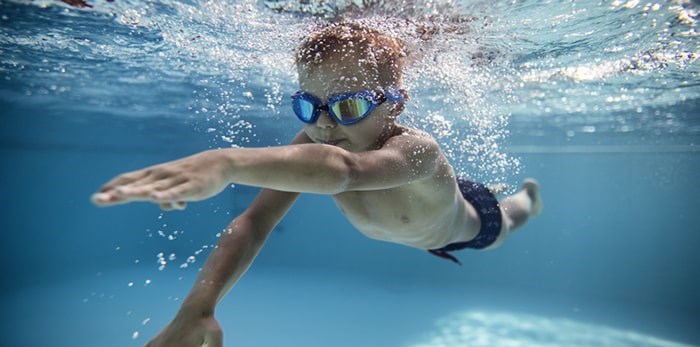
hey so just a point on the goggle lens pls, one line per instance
(304, 109)
(350, 110)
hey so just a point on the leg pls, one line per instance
(518, 207)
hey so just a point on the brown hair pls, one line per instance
(381, 51)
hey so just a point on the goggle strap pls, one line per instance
(393, 95)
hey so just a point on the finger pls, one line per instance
(124, 179)
(165, 184)
(138, 178)
(154, 177)
(169, 206)
(111, 199)
(182, 192)
(104, 199)
(121, 195)
(146, 187)
(132, 193)
(166, 206)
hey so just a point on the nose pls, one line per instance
(326, 121)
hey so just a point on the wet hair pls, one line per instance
(381, 52)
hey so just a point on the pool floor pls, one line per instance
(279, 307)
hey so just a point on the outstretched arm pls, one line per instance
(300, 167)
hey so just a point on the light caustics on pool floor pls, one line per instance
(507, 329)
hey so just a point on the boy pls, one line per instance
(392, 182)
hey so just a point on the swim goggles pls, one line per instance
(346, 109)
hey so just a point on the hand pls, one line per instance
(189, 332)
(170, 184)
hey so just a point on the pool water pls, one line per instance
(597, 100)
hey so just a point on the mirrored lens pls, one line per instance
(351, 109)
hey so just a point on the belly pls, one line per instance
(413, 222)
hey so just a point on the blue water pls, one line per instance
(598, 101)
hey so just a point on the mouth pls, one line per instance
(330, 142)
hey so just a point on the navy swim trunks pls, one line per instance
(489, 212)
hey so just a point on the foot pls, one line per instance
(498, 188)
(532, 187)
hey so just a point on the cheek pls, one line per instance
(378, 123)
(309, 130)
(369, 130)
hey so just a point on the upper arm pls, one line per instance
(403, 159)
(270, 206)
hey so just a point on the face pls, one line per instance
(344, 74)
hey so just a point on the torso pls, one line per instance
(427, 214)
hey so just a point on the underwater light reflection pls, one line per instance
(507, 329)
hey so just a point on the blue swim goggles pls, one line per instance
(346, 109)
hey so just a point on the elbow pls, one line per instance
(246, 230)
(339, 171)
(348, 173)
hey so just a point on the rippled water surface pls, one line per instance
(572, 67)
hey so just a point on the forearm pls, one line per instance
(238, 246)
(228, 261)
(308, 168)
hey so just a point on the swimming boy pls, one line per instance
(392, 182)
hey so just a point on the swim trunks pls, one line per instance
(489, 212)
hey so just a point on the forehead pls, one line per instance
(339, 73)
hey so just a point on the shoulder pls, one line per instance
(412, 139)
(405, 134)
(416, 149)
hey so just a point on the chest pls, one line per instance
(387, 211)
